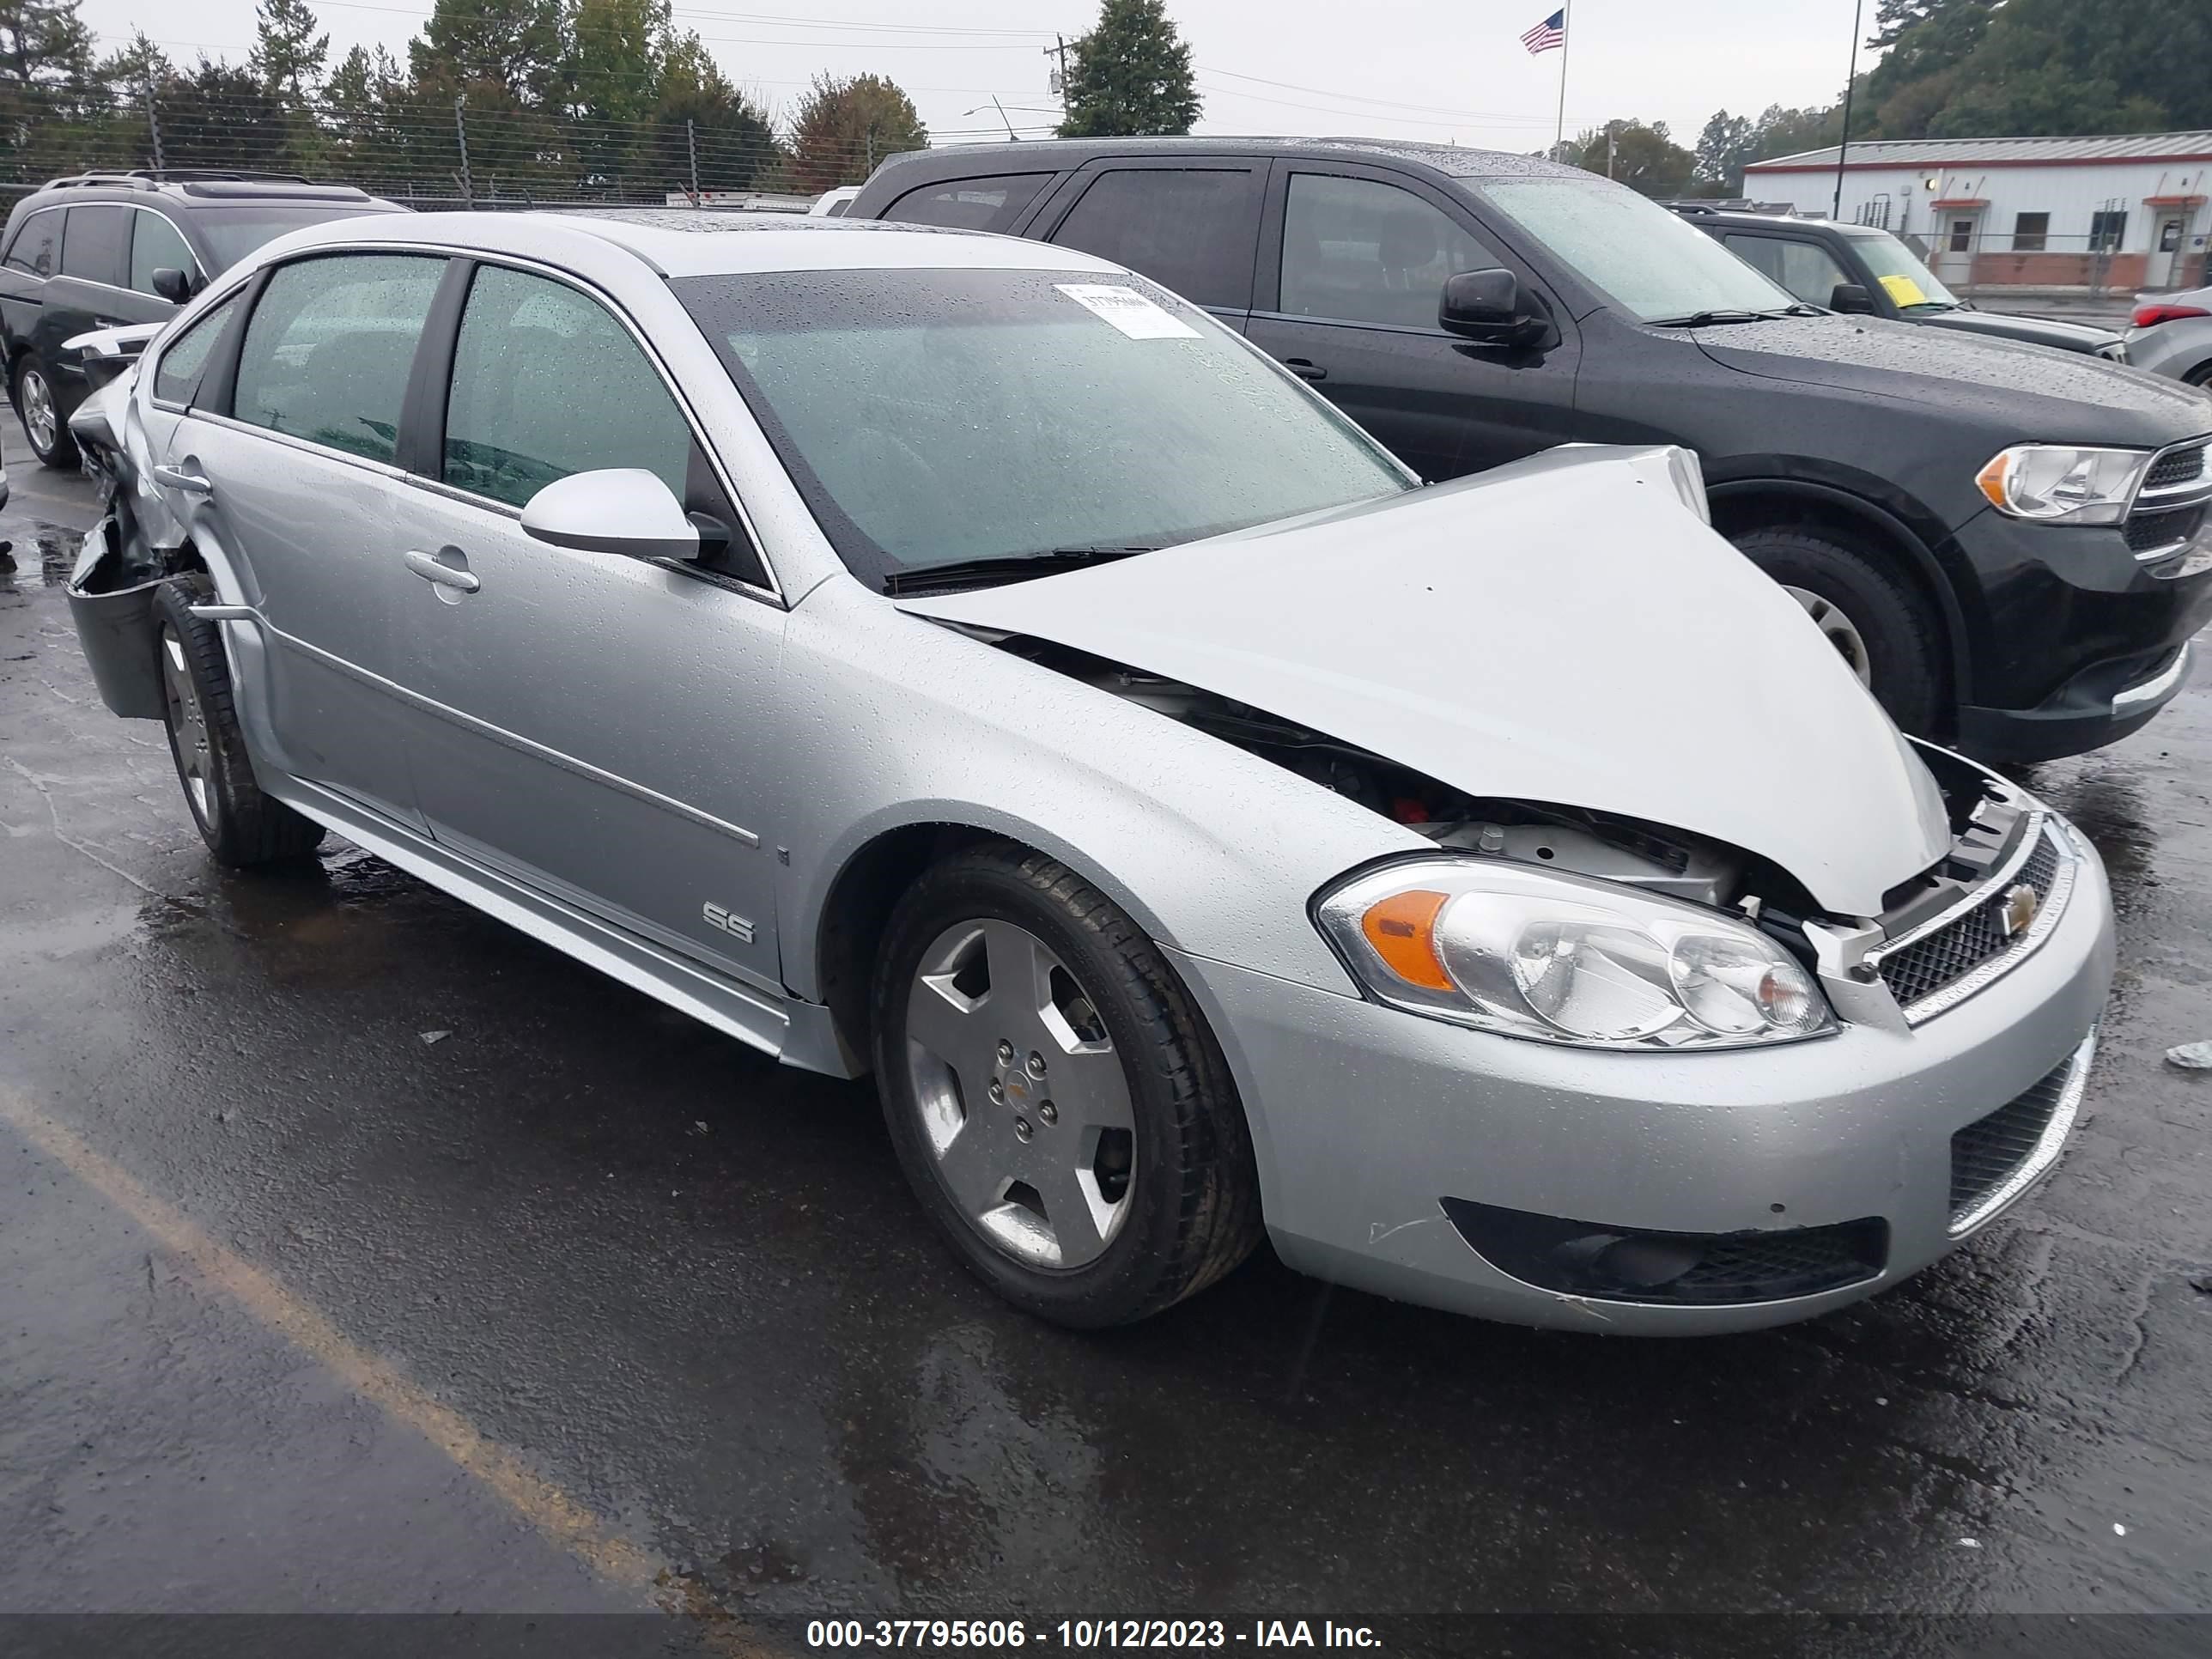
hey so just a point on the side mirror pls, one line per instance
(1491, 306)
(1853, 301)
(621, 509)
(173, 285)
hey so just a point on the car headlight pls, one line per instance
(2064, 484)
(1561, 958)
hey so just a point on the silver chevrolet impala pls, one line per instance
(959, 659)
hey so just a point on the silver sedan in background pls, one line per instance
(959, 659)
(2173, 336)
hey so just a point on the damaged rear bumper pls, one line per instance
(1459, 1169)
(111, 600)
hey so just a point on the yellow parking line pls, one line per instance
(544, 1505)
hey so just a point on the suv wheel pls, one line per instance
(1054, 1097)
(241, 826)
(41, 413)
(1874, 620)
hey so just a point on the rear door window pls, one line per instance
(517, 418)
(96, 244)
(1192, 229)
(177, 376)
(37, 246)
(329, 347)
(156, 244)
(990, 203)
(1360, 251)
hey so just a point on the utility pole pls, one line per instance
(1059, 49)
(1850, 85)
(461, 132)
(691, 146)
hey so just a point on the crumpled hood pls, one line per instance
(1563, 629)
(2038, 393)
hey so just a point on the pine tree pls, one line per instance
(611, 79)
(512, 46)
(1130, 74)
(289, 49)
(732, 136)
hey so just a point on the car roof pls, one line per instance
(1051, 154)
(1733, 217)
(706, 242)
(189, 191)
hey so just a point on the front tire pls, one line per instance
(242, 827)
(1057, 1102)
(44, 425)
(1874, 619)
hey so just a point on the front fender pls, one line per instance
(905, 723)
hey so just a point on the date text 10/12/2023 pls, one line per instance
(1084, 1634)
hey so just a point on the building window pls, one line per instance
(1962, 235)
(2108, 229)
(2029, 231)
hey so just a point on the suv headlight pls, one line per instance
(2062, 484)
(1565, 959)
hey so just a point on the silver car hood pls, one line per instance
(1564, 629)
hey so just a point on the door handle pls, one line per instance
(431, 568)
(189, 483)
(1306, 368)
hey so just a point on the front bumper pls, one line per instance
(2084, 642)
(1366, 1120)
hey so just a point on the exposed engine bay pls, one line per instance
(1602, 845)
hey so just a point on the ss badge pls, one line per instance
(735, 926)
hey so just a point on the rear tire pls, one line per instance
(2199, 376)
(242, 827)
(1904, 661)
(45, 427)
(1137, 1188)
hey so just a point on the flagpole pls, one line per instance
(1566, 44)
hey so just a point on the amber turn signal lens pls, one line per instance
(1991, 478)
(1401, 928)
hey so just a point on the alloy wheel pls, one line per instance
(40, 420)
(188, 730)
(1838, 629)
(1025, 1109)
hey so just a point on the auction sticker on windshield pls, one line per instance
(1905, 290)
(1128, 311)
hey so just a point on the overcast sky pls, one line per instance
(1438, 70)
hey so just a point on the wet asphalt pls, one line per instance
(300, 1308)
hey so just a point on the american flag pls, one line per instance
(1549, 35)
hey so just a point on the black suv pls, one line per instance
(99, 249)
(1864, 271)
(2004, 542)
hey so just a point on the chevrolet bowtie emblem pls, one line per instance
(2021, 904)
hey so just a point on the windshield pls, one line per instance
(939, 416)
(232, 233)
(1645, 260)
(1898, 270)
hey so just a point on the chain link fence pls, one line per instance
(432, 151)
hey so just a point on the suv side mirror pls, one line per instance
(1853, 301)
(618, 509)
(1491, 306)
(173, 285)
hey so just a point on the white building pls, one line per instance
(2119, 213)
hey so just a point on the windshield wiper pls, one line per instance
(1009, 566)
(1708, 318)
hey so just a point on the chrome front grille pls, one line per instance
(2177, 466)
(1996, 1158)
(2169, 511)
(1941, 964)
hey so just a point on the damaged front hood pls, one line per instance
(1563, 630)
